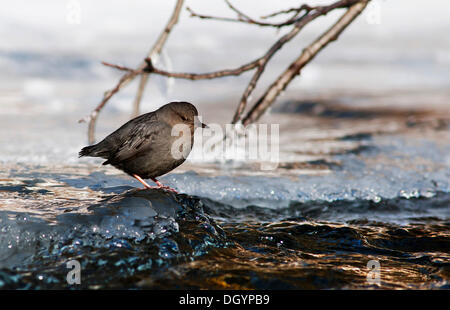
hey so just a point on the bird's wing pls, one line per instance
(137, 139)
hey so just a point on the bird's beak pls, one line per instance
(198, 123)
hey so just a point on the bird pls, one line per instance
(146, 147)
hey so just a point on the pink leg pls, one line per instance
(143, 182)
(160, 185)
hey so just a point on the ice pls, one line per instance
(368, 177)
(117, 221)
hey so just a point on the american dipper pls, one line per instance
(150, 145)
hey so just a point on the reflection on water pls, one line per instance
(352, 187)
(124, 237)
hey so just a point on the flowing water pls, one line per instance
(311, 224)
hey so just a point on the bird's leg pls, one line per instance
(160, 185)
(144, 183)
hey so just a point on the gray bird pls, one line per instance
(151, 144)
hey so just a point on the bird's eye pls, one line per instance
(183, 118)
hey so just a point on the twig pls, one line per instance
(124, 80)
(241, 18)
(307, 55)
(244, 18)
(157, 48)
(130, 75)
(239, 13)
(318, 11)
(305, 7)
(310, 14)
(149, 68)
(260, 63)
(202, 16)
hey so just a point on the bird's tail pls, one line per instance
(93, 151)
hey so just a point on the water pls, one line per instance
(364, 171)
(232, 230)
(151, 239)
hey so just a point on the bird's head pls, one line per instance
(181, 113)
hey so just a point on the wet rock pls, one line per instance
(124, 235)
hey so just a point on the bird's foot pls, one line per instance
(160, 185)
(150, 187)
(168, 188)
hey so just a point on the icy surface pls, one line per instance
(418, 170)
(117, 221)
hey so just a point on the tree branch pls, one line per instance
(149, 68)
(307, 55)
(310, 13)
(131, 74)
(240, 19)
(304, 20)
(244, 18)
(157, 48)
(305, 7)
(260, 63)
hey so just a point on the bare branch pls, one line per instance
(189, 76)
(201, 16)
(251, 86)
(244, 18)
(94, 114)
(260, 63)
(307, 55)
(298, 22)
(129, 76)
(304, 20)
(157, 48)
(239, 13)
(305, 7)
(241, 18)
(123, 68)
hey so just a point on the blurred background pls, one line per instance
(394, 55)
